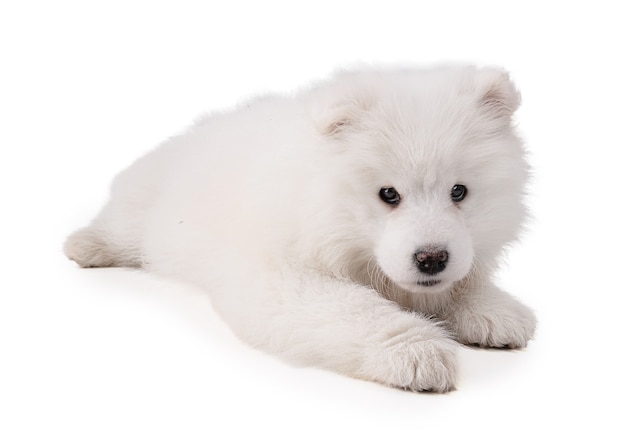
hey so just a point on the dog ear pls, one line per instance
(342, 117)
(337, 125)
(499, 98)
(340, 108)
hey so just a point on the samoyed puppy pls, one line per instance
(353, 226)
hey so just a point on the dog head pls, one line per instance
(429, 171)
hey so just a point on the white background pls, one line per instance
(87, 87)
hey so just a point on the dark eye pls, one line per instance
(458, 192)
(389, 195)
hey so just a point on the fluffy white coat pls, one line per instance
(275, 209)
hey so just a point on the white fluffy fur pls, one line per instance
(274, 209)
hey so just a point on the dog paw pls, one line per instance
(87, 249)
(502, 326)
(416, 365)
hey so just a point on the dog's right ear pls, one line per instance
(340, 109)
(342, 118)
(336, 122)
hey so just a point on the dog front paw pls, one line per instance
(502, 325)
(417, 365)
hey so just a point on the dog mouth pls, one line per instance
(424, 286)
(428, 283)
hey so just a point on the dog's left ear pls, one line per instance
(499, 98)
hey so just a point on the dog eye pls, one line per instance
(458, 192)
(389, 195)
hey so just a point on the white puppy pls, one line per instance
(354, 226)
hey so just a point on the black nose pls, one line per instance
(431, 261)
